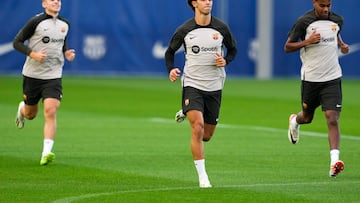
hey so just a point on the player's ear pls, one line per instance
(43, 3)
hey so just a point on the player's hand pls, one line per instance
(174, 74)
(344, 48)
(38, 56)
(219, 60)
(70, 54)
(314, 38)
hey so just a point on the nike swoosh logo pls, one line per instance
(158, 50)
(352, 49)
(6, 48)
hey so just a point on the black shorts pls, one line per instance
(327, 94)
(206, 102)
(36, 89)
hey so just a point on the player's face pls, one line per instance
(52, 6)
(322, 8)
(204, 6)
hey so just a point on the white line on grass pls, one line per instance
(264, 129)
(226, 126)
(167, 189)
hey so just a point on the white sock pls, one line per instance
(48, 145)
(334, 156)
(200, 167)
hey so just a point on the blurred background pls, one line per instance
(129, 37)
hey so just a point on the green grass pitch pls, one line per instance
(117, 141)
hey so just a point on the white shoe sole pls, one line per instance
(20, 120)
(179, 116)
(290, 135)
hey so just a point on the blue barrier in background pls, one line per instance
(129, 37)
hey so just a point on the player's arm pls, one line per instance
(343, 46)
(291, 45)
(174, 72)
(169, 58)
(230, 53)
(24, 34)
(175, 43)
(221, 61)
(68, 53)
(230, 44)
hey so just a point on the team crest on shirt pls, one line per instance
(305, 106)
(216, 36)
(63, 29)
(187, 102)
(334, 28)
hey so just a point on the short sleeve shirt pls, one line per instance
(201, 44)
(320, 62)
(47, 33)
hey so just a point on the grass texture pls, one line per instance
(117, 141)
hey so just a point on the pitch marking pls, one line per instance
(264, 129)
(256, 185)
(227, 126)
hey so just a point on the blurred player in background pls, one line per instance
(203, 38)
(317, 35)
(42, 72)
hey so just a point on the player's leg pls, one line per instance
(331, 105)
(51, 106)
(28, 108)
(52, 96)
(212, 104)
(196, 120)
(332, 120)
(209, 130)
(30, 111)
(193, 106)
(210, 113)
(336, 165)
(310, 101)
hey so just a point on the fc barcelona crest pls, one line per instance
(94, 47)
(216, 36)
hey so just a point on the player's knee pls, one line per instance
(30, 116)
(332, 122)
(307, 121)
(198, 127)
(207, 137)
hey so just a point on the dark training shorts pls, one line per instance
(36, 89)
(206, 102)
(327, 94)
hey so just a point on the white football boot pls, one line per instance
(20, 119)
(293, 132)
(180, 116)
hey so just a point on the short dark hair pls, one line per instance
(190, 4)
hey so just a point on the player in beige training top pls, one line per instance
(42, 72)
(204, 38)
(317, 35)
